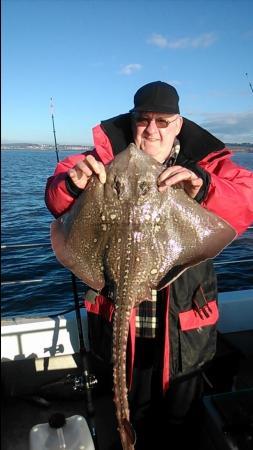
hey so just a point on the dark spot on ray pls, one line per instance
(118, 187)
(144, 187)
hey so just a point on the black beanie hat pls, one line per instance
(157, 96)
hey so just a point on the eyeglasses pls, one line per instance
(142, 121)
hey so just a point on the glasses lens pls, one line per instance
(161, 123)
(145, 121)
(142, 121)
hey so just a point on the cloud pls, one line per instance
(158, 40)
(130, 68)
(230, 127)
(202, 41)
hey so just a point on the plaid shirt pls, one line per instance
(146, 322)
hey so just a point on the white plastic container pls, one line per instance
(61, 433)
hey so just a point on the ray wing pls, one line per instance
(188, 236)
(77, 239)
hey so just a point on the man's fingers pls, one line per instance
(79, 170)
(182, 176)
(102, 177)
(97, 167)
(83, 170)
(169, 173)
(176, 177)
(91, 162)
(197, 182)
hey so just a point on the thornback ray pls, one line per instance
(131, 238)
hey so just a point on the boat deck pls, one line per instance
(21, 415)
(31, 399)
(34, 390)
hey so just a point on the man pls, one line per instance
(169, 356)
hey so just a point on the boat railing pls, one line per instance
(77, 305)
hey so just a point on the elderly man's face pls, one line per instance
(154, 133)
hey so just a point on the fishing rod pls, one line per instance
(250, 84)
(52, 116)
(73, 278)
(86, 381)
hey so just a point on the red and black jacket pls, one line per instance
(189, 311)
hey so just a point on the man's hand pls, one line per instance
(190, 182)
(82, 171)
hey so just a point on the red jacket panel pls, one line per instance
(57, 197)
(230, 194)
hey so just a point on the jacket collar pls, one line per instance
(195, 141)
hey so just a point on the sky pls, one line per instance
(91, 56)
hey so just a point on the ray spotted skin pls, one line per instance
(131, 238)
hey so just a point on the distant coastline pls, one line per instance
(240, 147)
(29, 146)
(245, 147)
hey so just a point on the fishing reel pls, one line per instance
(82, 382)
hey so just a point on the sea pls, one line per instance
(33, 282)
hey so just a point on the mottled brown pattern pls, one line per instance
(128, 235)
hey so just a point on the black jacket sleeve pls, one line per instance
(73, 190)
(201, 173)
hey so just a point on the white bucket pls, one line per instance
(74, 434)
